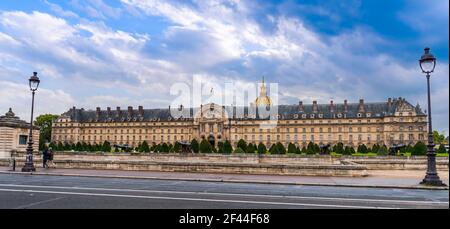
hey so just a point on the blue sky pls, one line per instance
(129, 52)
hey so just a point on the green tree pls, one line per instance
(78, 147)
(339, 148)
(194, 145)
(238, 150)
(419, 149)
(280, 148)
(362, 149)
(242, 144)
(311, 149)
(164, 148)
(349, 150)
(304, 150)
(261, 148)
(251, 148)
(145, 147)
(45, 128)
(439, 138)
(227, 148)
(205, 147)
(441, 149)
(291, 148)
(220, 147)
(382, 151)
(60, 147)
(176, 147)
(106, 147)
(272, 149)
(375, 148)
(409, 148)
(84, 146)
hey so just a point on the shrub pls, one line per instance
(382, 151)
(205, 147)
(272, 149)
(145, 147)
(311, 149)
(291, 148)
(220, 147)
(261, 148)
(78, 147)
(304, 150)
(339, 148)
(362, 149)
(164, 148)
(349, 150)
(106, 147)
(194, 145)
(242, 144)
(375, 148)
(298, 151)
(238, 150)
(419, 149)
(441, 149)
(227, 148)
(176, 147)
(280, 148)
(251, 148)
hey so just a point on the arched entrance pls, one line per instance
(212, 140)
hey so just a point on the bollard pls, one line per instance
(14, 164)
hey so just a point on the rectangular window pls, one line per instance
(23, 139)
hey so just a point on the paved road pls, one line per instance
(34, 191)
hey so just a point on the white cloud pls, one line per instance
(18, 97)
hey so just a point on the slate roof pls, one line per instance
(377, 109)
(11, 120)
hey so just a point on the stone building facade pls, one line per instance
(394, 121)
(14, 134)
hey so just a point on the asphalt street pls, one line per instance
(49, 192)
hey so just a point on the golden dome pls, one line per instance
(263, 99)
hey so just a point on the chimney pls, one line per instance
(345, 106)
(74, 110)
(301, 108)
(389, 104)
(182, 107)
(141, 111)
(332, 107)
(119, 112)
(315, 108)
(97, 112)
(361, 106)
(130, 111)
(201, 110)
(108, 111)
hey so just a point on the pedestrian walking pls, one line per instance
(45, 158)
(50, 158)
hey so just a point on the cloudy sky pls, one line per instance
(91, 53)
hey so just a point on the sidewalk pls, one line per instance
(407, 179)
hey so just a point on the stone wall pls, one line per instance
(305, 165)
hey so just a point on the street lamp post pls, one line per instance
(427, 64)
(29, 166)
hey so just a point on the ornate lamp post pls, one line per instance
(427, 64)
(29, 166)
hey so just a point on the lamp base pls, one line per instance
(432, 180)
(28, 167)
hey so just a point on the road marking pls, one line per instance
(36, 203)
(230, 194)
(193, 199)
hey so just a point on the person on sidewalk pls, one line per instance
(50, 158)
(45, 158)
